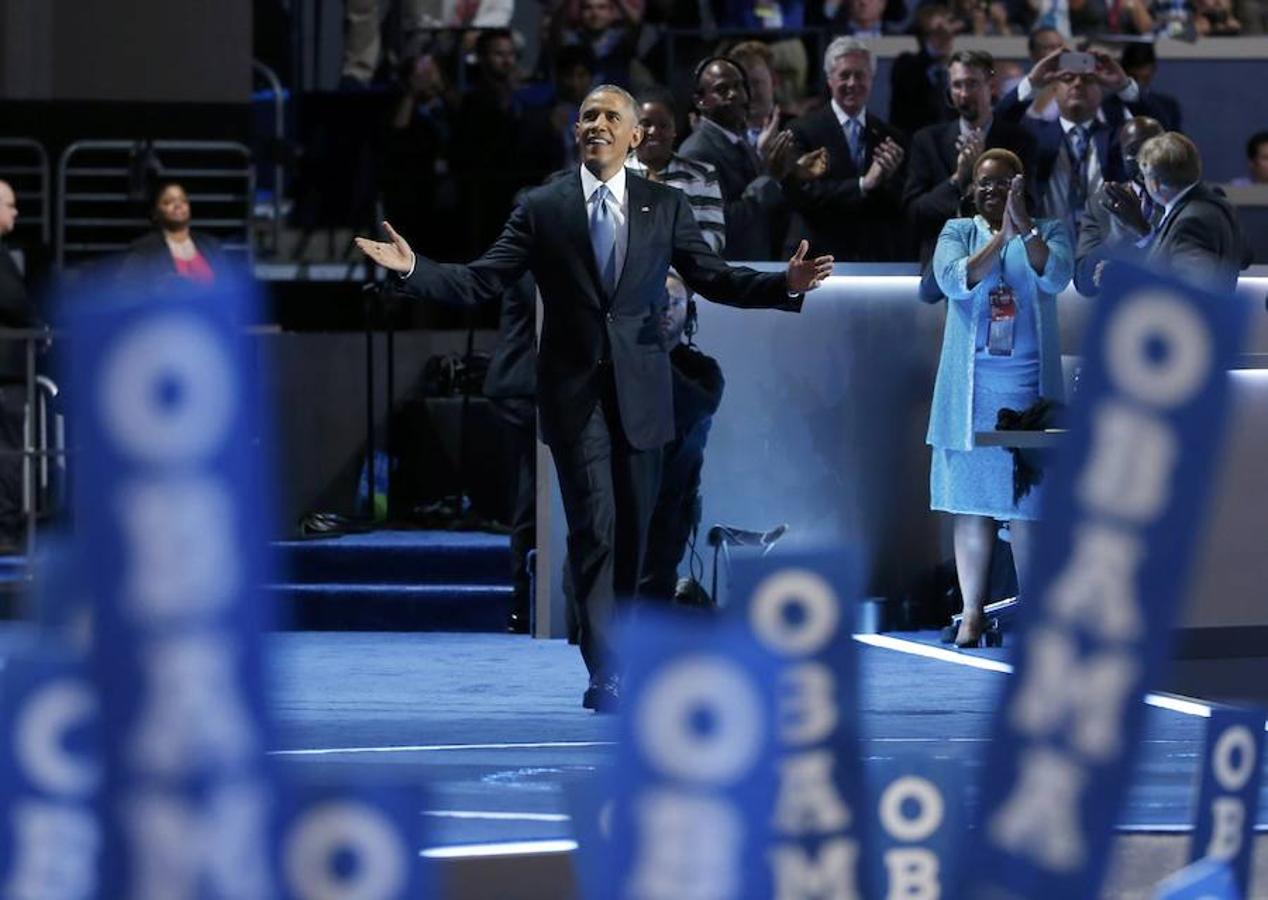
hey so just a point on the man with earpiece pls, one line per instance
(940, 169)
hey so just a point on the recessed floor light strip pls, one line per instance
(506, 848)
(437, 748)
(1173, 702)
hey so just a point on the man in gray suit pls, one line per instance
(1199, 236)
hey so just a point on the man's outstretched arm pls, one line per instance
(477, 282)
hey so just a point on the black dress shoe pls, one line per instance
(603, 695)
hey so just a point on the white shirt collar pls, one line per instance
(843, 116)
(965, 127)
(730, 135)
(1067, 125)
(616, 184)
(1176, 199)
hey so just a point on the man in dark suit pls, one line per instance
(511, 387)
(918, 81)
(855, 211)
(599, 245)
(1199, 237)
(753, 188)
(1120, 217)
(940, 168)
(16, 311)
(1141, 63)
(1077, 153)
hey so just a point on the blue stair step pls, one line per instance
(400, 557)
(379, 606)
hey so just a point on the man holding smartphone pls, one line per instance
(1077, 153)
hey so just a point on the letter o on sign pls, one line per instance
(929, 808)
(820, 612)
(674, 703)
(1234, 759)
(168, 391)
(1165, 379)
(355, 829)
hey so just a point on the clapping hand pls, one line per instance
(395, 255)
(1124, 205)
(780, 155)
(769, 129)
(807, 274)
(886, 159)
(811, 166)
(968, 148)
(1017, 219)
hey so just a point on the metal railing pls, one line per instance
(100, 187)
(24, 164)
(277, 147)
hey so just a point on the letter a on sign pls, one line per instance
(1068, 727)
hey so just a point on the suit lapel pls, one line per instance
(834, 140)
(638, 222)
(576, 227)
(946, 143)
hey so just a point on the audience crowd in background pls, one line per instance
(749, 118)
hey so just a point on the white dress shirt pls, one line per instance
(1057, 200)
(618, 207)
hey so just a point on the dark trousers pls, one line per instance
(523, 439)
(608, 490)
(677, 512)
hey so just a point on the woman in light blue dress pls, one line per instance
(1000, 272)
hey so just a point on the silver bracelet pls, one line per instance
(1030, 235)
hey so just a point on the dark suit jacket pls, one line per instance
(511, 381)
(915, 101)
(16, 311)
(1101, 237)
(929, 197)
(148, 257)
(584, 330)
(1201, 239)
(755, 205)
(839, 218)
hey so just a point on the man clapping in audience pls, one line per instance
(855, 211)
(940, 171)
(753, 187)
(1121, 216)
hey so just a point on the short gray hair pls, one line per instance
(1171, 158)
(620, 92)
(845, 46)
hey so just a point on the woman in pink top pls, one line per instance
(172, 248)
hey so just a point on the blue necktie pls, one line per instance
(1078, 174)
(853, 136)
(603, 239)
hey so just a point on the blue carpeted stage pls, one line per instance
(492, 724)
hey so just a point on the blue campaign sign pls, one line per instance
(915, 822)
(692, 779)
(169, 525)
(1207, 879)
(359, 841)
(1228, 795)
(1122, 515)
(801, 608)
(50, 776)
(590, 806)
